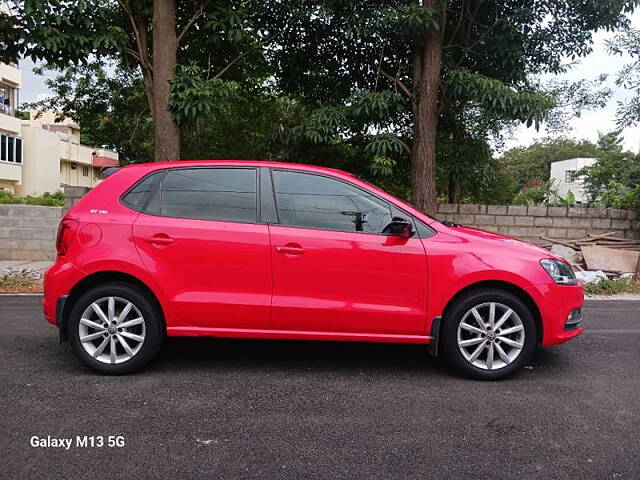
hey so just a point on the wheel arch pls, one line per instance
(101, 277)
(497, 284)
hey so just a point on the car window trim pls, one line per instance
(268, 209)
(318, 174)
(156, 188)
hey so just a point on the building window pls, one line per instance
(10, 149)
(18, 150)
(8, 99)
(570, 176)
(85, 171)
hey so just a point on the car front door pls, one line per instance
(200, 237)
(334, 270)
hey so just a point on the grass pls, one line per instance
(612, 287)
(46, 199)
(17, 284)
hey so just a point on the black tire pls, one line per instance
(454, 316)
(153, 324)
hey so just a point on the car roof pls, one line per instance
(237, 163)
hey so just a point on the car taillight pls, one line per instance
(66, 231)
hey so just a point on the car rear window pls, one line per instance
(136, 198)
(225, 194)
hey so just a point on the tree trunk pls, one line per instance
(165, 49)
(452, 190)
(427, 61)
(140, 31)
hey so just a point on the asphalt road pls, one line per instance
(266, 409)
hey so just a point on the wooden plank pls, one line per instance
(610, 259)
(566, 243)
(600, 235)
(611, 244)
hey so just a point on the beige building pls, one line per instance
(11, 157)
(42, 155)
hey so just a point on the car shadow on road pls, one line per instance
(207, 353)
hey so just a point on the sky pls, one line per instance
(594, 121)
(585, 127)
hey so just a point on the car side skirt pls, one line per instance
(295, 335)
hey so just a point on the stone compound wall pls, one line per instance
(531, 222)
(28, 232)
(72, 195)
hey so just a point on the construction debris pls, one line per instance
(568, 253)
(597, 257)
(608, 239)
(610, 259)
(586, 276)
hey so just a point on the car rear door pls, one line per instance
(333, 268)
(200, 236)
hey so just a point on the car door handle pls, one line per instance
(159, 239)
(291, 249)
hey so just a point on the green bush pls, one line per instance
(535, 192)
(618, 196)
(612, 287)
(46, 199)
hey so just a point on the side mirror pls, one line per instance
(399, 227)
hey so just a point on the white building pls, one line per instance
(565, 178)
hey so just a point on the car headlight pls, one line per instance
(560, 271)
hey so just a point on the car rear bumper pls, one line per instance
(59, 279)
(556, 302)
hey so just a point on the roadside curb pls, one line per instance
(21, 294)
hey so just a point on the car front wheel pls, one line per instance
(115, 329)
(489, 334)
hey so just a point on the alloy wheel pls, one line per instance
(490, 336)
(112, 330)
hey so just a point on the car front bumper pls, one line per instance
(556, 303)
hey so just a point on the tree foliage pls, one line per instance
(628, 112)
(330, 82)
(109, 103)
(527, 164)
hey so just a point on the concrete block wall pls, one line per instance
(72, 195)
(531, 222)
(28, 232)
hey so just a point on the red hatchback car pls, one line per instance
(284, 251)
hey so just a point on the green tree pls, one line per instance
(379, 84)
(109, 103)
(154, 37)
(526, 164)
(470, 59)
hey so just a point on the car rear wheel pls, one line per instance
(489, 334)
(115, 329)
